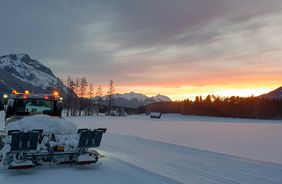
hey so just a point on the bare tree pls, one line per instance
(98, 97)
(83, 86)
(76, 90)
(69, 103)
(76, 85)
(110, 96)
(91, 93)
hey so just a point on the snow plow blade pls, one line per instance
(22, 141)
(90, 139)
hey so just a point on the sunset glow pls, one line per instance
(141, 91)
(182, 50)
(190, 92)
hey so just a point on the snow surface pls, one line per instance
(189, 165)
(47, 123)
(143, 150)
(111, 171)
(253, 139)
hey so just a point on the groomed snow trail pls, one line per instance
(188, 165)
(140, 150)
(247, 138)
(110, 171)
(193, 149)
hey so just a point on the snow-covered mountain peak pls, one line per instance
(141, 97)
(132, 95)
(134, 100)
(28, 70)
(161, 98)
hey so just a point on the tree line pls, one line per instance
(237, 107)
(81, 98)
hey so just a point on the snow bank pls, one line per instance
(47, 123)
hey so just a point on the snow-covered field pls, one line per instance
(254, 139)
(174, 149)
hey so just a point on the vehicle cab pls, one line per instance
(26, 104)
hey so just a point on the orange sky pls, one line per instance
(252, 74)
(253, 77)
(180, 92)
(184, 92)
(183, 49)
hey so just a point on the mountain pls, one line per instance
(141, 97)
(275, 94)
(19, 71)
(133, 100)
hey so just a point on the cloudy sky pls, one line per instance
(179, 48)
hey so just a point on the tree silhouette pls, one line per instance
(238, 107)
(110, 96)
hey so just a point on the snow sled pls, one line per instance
(22, 147)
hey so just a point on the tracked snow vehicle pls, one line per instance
(24, 148)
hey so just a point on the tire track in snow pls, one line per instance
(163, 159)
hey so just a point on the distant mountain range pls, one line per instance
(20, 72)
(133, 100)
(275, 94)
(141, 97)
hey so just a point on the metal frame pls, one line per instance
(24, 147)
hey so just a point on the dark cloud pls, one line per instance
(129, 40)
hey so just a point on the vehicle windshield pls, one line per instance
(33, 106)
